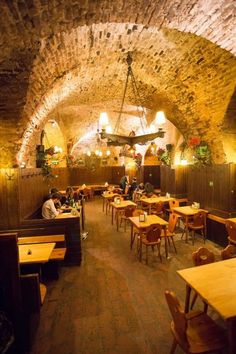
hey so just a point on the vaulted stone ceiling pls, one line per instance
(67, 59)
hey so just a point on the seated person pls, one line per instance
(133, 187)
(49, 210)
(53, 191)
(124, 183)
(149, 189)
(68, 199)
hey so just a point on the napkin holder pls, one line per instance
(141, 218)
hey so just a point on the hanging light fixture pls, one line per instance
(119, 140)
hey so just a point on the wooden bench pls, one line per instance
(51, 269)
(58, 252)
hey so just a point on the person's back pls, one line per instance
(49, 210)
(149, 189)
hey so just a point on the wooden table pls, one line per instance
(107, 197)
(187, 212)
(119, 207)
(142, 225)
(35, 252)
(154, 200)
(216, 284)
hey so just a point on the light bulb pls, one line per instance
(108, 153)
(88, 153)
(103, 120)
(160, 118)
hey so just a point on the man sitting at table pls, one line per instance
(49, 210)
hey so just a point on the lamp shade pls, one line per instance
(160, 117)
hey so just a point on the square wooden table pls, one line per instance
(216, 284)
(154, 200)
(120, 207)
(142, 225)
(187, 212)
(106, 198)
(35, 252)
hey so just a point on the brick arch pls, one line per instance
(170, 66)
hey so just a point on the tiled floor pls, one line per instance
(112, 303)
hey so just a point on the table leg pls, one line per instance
(231, 324)
(186, 231)
(117, 220)
(103, 203)
(131, 236)
(112, 214)
(187, 298)
(166, 245)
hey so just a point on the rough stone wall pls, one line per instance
(73, 52)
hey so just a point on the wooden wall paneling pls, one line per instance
(196, 184)
(221, 187)
(173, 180)
(163, 179)
(232, 187)
(3, 200)
(33, 188)
(151, 174)
(10, 292)
(180, 181)
(62, 179)
(9, 199)
(117, 173)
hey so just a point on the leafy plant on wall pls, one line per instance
(43, 161)
(201, 151)
(165, 155)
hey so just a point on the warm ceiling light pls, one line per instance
(160, 118)
(108, 153)
(88, 153)
(96, 152)
(183, 162)
(119, 140)
(103, 120)
(108, 129)
(57, 149)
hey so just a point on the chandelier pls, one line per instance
(118, 140)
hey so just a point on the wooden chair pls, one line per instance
(151, 238)
(200, 257)
(228, 252)
(174, 203)
(128, 212)
(198, 223)
(157, 209)
(194, 332)
(231, 230)
(170, 230)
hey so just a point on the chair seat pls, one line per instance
(203, 334)
(146, 242)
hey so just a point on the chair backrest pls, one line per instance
(199, 219)
(129, 211)
(137, 212)
(173, 203)
(231, 229)
(203, 256)
(159, 207)
(172, 222)
(228, 252)
(154, 233)
(117, 190)
(178, 315)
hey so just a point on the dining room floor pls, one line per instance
(112, 303)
